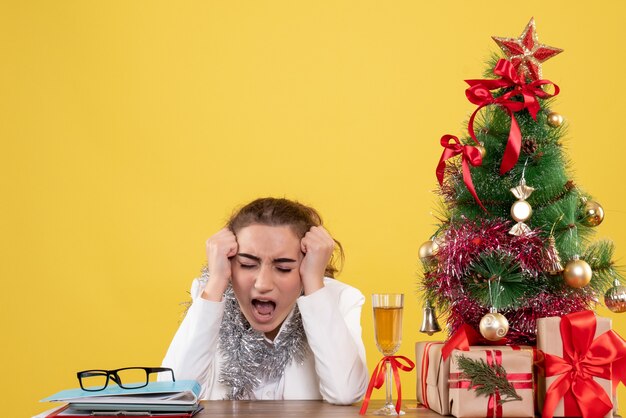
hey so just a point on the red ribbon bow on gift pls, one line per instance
(479, 93)
(378, 378)
(469, 155)
(463, 338)
(583, 359)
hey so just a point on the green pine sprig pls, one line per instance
(486, 380)
(497, 280)
(599, 256)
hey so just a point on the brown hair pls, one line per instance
(278, 212)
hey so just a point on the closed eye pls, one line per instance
(247, 266)
(284, 269)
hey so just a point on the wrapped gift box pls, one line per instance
(432, 377)
(433, 373)
(550, 342)
(466, 403)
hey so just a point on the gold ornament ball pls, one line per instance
(483, 151)
(521, 210)
(594, 214)
(428, 250)
(554, 119)
(577, 273)
(615, 298)
(494, 326)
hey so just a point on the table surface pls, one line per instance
(300, 409)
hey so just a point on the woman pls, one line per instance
(268, 321)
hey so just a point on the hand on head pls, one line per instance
(219, 249)
(317, 246)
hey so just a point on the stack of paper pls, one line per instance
(158, 399)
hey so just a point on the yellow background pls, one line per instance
(130, 129)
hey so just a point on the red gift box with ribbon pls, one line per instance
(465, 402)
(584, 360)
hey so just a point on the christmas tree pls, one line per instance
(514, 239)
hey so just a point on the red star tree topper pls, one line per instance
(526, 53)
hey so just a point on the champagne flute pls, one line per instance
(388, 332)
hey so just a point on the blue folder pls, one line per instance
(164, 394)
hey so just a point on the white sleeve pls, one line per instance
(332, 323)
(193, 350)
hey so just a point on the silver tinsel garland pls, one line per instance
(249, 358)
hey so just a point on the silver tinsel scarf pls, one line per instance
(249, 358)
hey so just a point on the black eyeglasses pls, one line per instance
(126, 378)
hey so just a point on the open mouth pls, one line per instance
(263, 309)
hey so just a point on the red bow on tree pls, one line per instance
(479, 93)
(469, 155)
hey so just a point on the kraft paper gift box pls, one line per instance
(466, 403)
(433, 373)
(549, 341)
(432, 377)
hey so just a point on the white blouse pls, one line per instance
(334, 369)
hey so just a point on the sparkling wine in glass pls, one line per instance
(388, 332)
